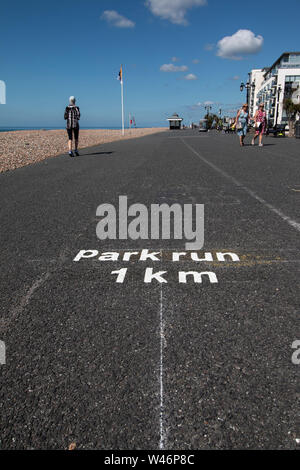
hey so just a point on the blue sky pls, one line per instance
(171, 50)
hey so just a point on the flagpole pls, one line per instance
(122, 98)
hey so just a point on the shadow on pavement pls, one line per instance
(97, 153)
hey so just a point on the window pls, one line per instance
(292, 78)
(294, 58)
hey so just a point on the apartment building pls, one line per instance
(271, 85)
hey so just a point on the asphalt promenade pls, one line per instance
(160, 365)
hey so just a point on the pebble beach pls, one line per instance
(20, 148)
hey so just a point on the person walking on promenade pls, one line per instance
(72, 115)
(241, 123)
(259, 124)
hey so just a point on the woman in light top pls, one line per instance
(241, 123)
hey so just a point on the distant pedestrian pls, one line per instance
(259, 124)
(72, 115)
(241, 123)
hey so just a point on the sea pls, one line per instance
(11, 129)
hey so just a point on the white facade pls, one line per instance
(256, 78)
(270, 86)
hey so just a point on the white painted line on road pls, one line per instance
(161, 415)
(286, 218)
(161, 371)
(17, 310)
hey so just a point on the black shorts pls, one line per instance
(74, 131)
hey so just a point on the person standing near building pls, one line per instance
(241, 123)
(72, 115)
(259, 124)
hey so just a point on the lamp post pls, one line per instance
(242, 86)
(220, 123)
(279, 90)
(208, 108)
(248, 87)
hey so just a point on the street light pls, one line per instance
(248, 87)
(279, 90)
(242, 86)
(208, 108)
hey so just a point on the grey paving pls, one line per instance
(138, 366)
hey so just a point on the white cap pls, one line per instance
(72, 100)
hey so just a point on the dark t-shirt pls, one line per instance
(72, 115)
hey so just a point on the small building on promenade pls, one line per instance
(175, 121)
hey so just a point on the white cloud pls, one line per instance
(196, 61)
(235, 77)
(231, 108)
(173, 68)
(209, 47)
(198, 105)
(227, 108)
(243, 42)
(117, 20)
(175, 59)
(190, 76)
(173, 10)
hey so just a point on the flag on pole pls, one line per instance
(120, 77)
